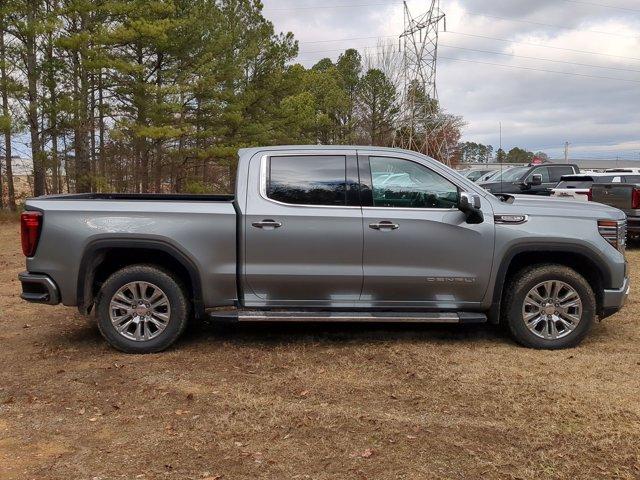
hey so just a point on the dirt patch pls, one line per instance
(317, 402)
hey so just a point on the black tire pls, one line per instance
(521, 285)
(175, 294)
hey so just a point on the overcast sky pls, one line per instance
(487, 80)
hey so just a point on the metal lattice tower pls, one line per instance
(420, 42)
(422, 125)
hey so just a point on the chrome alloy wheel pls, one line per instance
(552, 309)
(139, 311)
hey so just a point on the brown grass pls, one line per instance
(305, 402)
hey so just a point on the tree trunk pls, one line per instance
(53, 118)
(81, 140)
(81, 123)
(11, 196)
(92, 129)
(140, 142)
(102, 166)
(32, 111)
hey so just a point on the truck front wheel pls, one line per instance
(141, 309)
(549, 306)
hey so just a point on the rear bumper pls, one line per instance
(38, 288)
(614, 299)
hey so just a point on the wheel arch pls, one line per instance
(104, 256)
(581, 259)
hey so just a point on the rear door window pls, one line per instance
(307, 180)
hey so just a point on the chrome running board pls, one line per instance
(346, 316)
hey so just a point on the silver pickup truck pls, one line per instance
(324, 234)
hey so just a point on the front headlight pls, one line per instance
(614, 232)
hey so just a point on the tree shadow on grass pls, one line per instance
(282, 333)
(204, 332)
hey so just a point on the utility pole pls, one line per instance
(566, 152)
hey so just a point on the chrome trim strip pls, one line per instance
(263, 190)
(263, 186)
(260, 316)
(413, 209)
(499, 221)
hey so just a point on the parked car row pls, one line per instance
(616, 187)
(531, 179)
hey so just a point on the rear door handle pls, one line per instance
(267, 224)
(384, 225)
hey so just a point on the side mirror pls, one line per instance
(469, 204)
(536, 179)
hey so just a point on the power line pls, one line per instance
(542, 45)
(541, 70)
(317, 7)
(541, 59)
(584, 75)
(591, 4)
(504, 40)
(348, 38)
(561, 27)
(375, 47)
(361, 5)
(531, 22)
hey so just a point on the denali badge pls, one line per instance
(451, 279)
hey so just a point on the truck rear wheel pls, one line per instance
(141, 309)
(549, 306)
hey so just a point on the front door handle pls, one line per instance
(384, 225)
(267, 224)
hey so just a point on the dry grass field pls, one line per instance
(312, 402)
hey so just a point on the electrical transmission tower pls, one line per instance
(423, 127)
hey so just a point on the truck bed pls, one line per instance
(77, 227)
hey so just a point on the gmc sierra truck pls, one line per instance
(328, 234)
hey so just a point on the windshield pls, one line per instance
(510, 175)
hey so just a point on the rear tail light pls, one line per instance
(590, 195)
(30, 226)
(614, 232)
(635, 198)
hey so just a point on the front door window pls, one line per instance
(405, 184)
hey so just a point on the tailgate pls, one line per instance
(617, 195)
